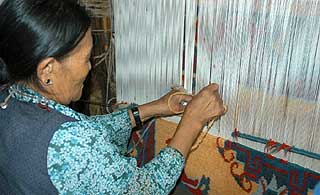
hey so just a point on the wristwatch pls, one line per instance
(136, 115)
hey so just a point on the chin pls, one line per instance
(78, 96)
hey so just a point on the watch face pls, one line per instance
(136, 116)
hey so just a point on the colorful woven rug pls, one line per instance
(273, 175)
(222, 167)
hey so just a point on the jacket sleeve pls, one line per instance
(117, 127)
(82, 161)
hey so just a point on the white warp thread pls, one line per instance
(263, 53)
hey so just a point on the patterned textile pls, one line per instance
(274, 176)
(220, 167)
(143, 147)
(87, 156)
(139, 145)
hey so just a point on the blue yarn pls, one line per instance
(265, 141)
(316, 190)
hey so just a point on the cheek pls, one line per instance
(77, 87)
(76, 90)
(86, 69)
(81, 74)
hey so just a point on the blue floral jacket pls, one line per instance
(87, 156)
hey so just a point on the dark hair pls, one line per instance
(32, 30)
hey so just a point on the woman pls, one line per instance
(47, 148)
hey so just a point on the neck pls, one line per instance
(47, 93)
(43, 92)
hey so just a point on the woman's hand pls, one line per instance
(171, 104)
(204, 107)
(167, 105)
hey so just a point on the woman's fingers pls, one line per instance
(213, 87)
(204, 107)
(207, 104)
(185, 98)
(225, 109)
(178, 88)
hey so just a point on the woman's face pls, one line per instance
(71, 72)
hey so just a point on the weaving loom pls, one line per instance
(264, 55)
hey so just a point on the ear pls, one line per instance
(46, 68)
